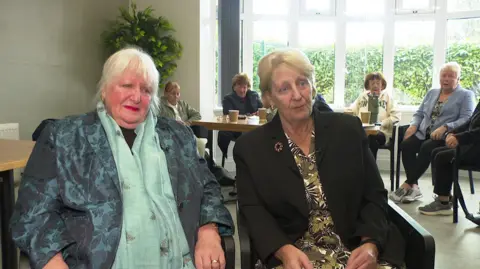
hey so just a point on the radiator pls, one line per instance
(9, 131)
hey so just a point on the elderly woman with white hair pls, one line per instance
(118, 187)
(319, 201)
(441, 111)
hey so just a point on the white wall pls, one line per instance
(50, 57)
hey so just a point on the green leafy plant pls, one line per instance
(150, 33)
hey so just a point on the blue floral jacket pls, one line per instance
(70, 200)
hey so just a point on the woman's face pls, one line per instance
(291, 93)
(375, 86)
(448, 80)
(173, 96)
(241, 89)
(127, 99)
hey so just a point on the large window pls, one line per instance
(364, 55)
(413, 61)
(407, 40)
(464, 47)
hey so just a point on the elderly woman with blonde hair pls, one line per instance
(303, 209)
(442, 110)
(118, 187)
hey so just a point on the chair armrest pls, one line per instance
(246, 255)
(420, 245)
(228, 245)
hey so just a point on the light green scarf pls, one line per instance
(152, 236)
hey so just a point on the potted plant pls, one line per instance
(148, 32)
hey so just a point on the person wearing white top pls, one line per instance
(382, 107)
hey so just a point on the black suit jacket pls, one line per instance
(468, 136)
(271, 192)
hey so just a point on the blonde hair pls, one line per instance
(134, 59)
(291, 57)
(452, 66)
(170, 86)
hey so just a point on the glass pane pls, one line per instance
(365, 7)
(320, 49)
(463, 5)
(322, 6)
(463, 47)
(413, 61)
(415, 4)
(278, 7)
(364, 55)
(267, 36)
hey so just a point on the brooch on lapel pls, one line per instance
(278, 146)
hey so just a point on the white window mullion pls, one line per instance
(439, 41)
(340, 54)
(389, 44)
(294, 16)
(248, 38)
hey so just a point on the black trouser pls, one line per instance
(375, 141)
(415, 165)
(442, 168)
(224, 138)
(200, 132)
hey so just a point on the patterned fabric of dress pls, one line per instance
(320, 242)
(435, 113)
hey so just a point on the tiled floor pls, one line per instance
(457, 245)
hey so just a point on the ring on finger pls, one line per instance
(214, 261)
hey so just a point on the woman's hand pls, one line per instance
(363, 257)
(293, 258)
(208, 250)
(451, 141)
(438, 133)
(56, 262)
(410, 131)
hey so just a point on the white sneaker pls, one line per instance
(398, 195)
(412, 195)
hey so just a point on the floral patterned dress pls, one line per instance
(320, 242)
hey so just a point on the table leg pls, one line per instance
(7, 192)
(210, 148)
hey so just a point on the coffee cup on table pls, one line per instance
(262, 114)
(365, 117)
(233, 115)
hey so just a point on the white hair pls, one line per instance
(452, 66)
(133, 59)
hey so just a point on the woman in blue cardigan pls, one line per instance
(442, 110)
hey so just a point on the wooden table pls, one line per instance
(13, 154)
(221, 124)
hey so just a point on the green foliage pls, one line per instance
(144, 30)
(412, 69)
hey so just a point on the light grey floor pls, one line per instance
(457, 245)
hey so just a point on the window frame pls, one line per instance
(399, 10)
(304, 11)
(297, 14)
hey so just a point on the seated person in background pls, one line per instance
(92, 195)
(246, 101)
(319, 102)
(381, 106)
(468, 137)
(302, 208)
(441, 111)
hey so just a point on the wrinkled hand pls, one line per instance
(363, 257)
(56, 262)
(293, 258)
(438, 133)
(451, 141)
(410, 131)
(209, 249)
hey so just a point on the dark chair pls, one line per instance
(420, 245)
(228, 245)
(457, 191)
(390, 146)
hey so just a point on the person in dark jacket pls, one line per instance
(467, 136)
(243, 99)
